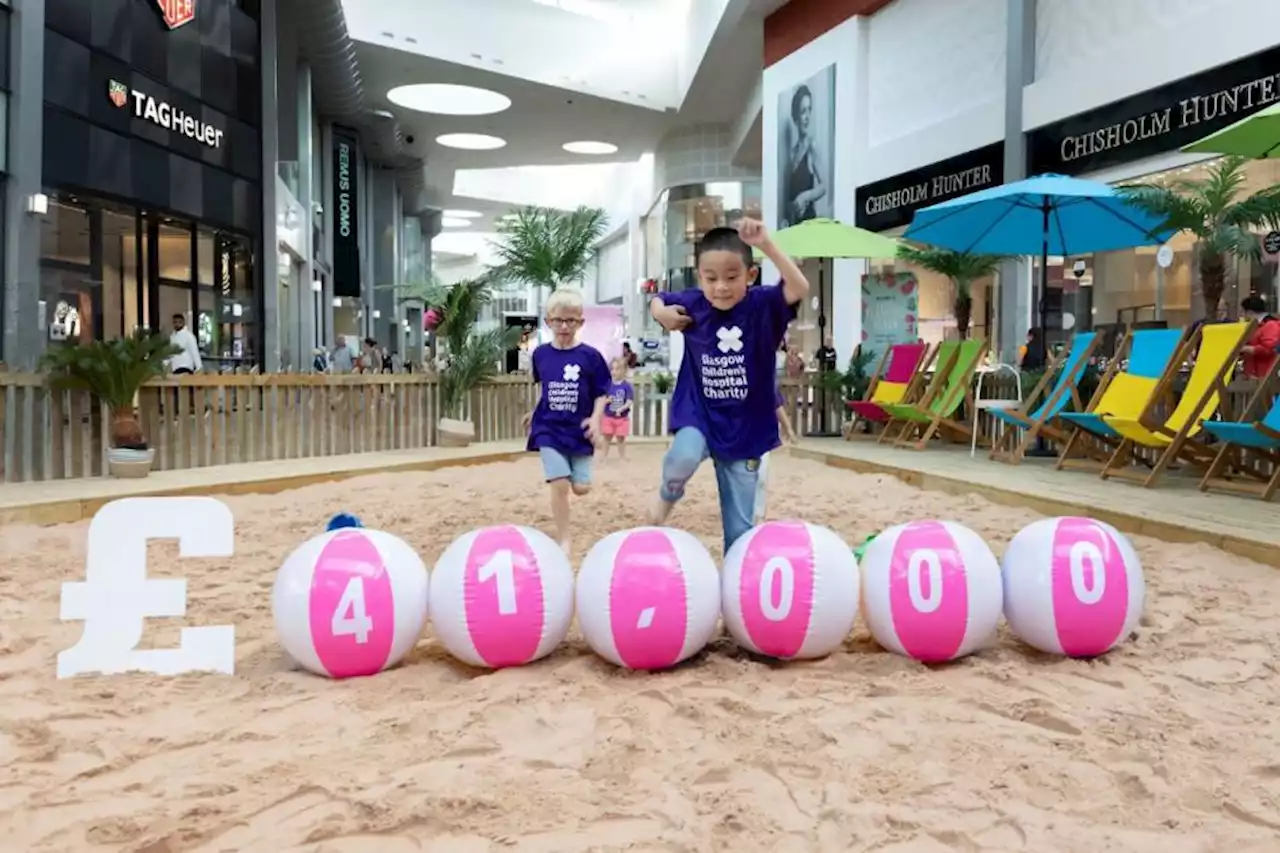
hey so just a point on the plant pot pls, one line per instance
(129, 464)
(455, 433)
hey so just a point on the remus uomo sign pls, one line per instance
(346, 213)
(1157, 120)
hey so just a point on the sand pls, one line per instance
(1168, 744)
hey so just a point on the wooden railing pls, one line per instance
(196, 421)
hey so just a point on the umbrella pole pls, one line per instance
(822, 341)
(1044, 289)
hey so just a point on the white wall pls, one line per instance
(1093, 52)
(613, 274)
(935, 83)
(840, 46)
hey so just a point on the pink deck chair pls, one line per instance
(899, 368)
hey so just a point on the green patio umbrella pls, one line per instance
(1256, 137)
(827, 238)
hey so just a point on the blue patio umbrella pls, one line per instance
(1044, 215)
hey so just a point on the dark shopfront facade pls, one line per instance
(152, 166)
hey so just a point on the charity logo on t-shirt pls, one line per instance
(620, 393)
(562, 394)
(724, 373)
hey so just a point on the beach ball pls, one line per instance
(350, 602)
(790, 590)
(1072, 586)
(502, 596)
(648, 598)
(931, 590)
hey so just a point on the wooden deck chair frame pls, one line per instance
(921, 389)
(1181, 447)
(1013, 443)
(917, 378)
(1229, 479)
(916, 435)
(1080, 452)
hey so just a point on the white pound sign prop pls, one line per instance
(790, 590)
(116, 594)
(502, 596)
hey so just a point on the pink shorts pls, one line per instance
(615, 427)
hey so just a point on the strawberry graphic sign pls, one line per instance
(177, 12)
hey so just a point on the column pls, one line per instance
(22, 335)
(1014, 305)
(268, 277)
(311, 336)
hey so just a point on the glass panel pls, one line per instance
(66, 306)
(175, 255)
(205, 326)
(64, 232)
(119, 274)
(204, 256)
(174, 301)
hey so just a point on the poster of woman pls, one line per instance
(806, 148)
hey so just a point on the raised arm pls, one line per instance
(795, 287)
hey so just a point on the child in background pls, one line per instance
(784, 422)
(616, 424)
(564, 428)
(725, 402)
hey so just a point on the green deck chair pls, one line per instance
(923, 389)
(936, 414)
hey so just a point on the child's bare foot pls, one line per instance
(660, 512)
(566, 545)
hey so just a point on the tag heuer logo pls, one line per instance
(177, 12)
(118, 93)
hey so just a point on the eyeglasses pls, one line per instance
(564, 321)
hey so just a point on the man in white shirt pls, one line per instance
(187, 360)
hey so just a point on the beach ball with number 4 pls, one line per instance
(502, 596)
(350, 602)
(931, 591)
(1072, 586)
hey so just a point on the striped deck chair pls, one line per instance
(900, 368)
(1029, 424)
(1122, 393)
(925, 387)
(1217, 349)
(1249, 437)
(922, 420)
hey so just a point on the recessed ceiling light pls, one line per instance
(447, 99)
(463, 214)
(454, 222)
(471, 141)
(588, 147)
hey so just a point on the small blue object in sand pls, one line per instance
(343, 519)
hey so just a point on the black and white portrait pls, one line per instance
(806, 149)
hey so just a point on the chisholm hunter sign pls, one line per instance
(892, 202)
(164, 114)
(1158, 120)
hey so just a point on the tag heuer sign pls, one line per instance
(164, 114)
(177, 12)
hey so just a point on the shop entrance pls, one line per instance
(106, 270)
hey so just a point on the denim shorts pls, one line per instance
(560, 466)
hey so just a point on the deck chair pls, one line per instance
(1029, 424)
(1217, 349)
(901, 370)
(926, 387)
(1121, 393)
(922, 420)
(1259, 438)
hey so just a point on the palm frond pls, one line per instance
(1180, 210)
(963, 268)
(111, 370)
(547, 247)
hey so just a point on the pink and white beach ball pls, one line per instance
(502, 596)
(350, 602)
(790, 590)
(1072, 586)
(648, 598)
(931, 591)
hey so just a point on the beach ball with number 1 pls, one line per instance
(350, 602)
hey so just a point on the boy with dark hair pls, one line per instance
(724, 404)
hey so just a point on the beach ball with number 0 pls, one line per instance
(648, 598)
(790, 590)
(502, 596)
(931, 591)
(1072, 586)
(350, 602)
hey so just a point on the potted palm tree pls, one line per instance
(114, 371)
(962, 268)
(546, 248)
(474, 354)
(1213, 210)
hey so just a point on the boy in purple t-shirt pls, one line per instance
(564, 428)
(724, 405)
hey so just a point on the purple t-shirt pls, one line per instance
(727, 382)
(572, 380)
(620, 393)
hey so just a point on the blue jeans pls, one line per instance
(738, 481)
